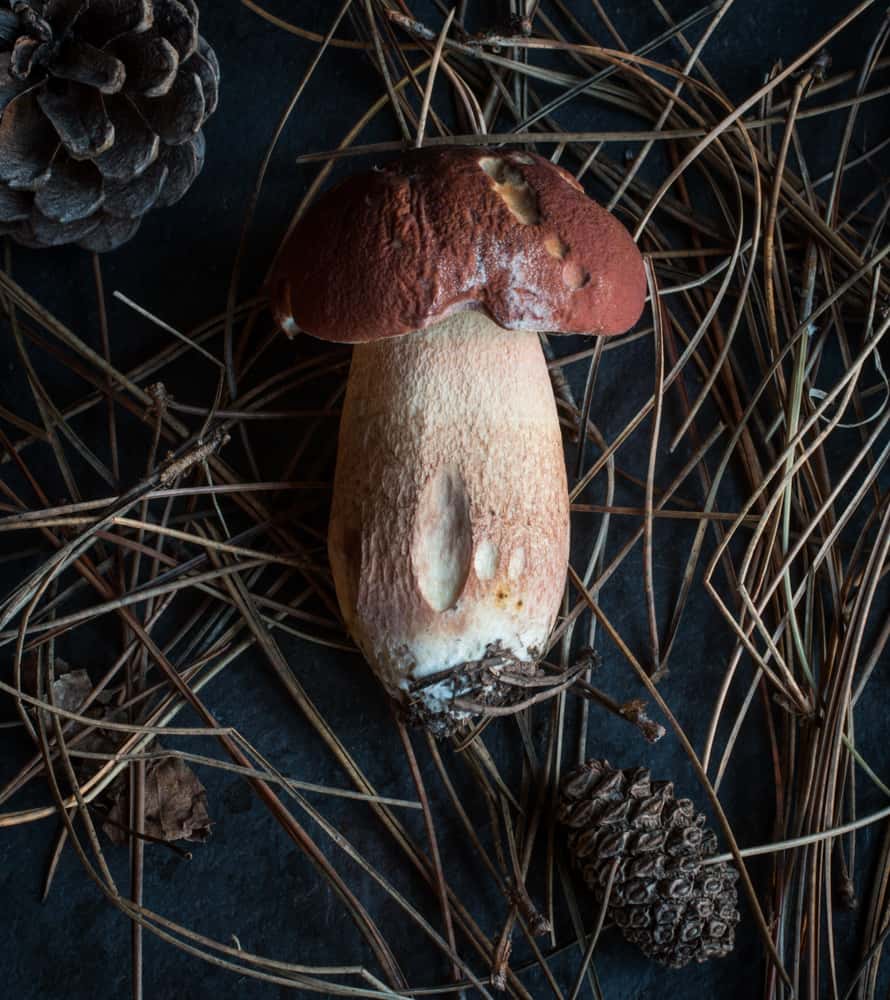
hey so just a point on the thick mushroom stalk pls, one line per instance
(449, 530)
(450, 524)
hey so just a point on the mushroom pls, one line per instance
(449, 531)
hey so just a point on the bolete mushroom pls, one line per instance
(449, 533)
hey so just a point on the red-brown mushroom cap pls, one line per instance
(399, 248)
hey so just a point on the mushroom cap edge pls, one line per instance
(399, 248)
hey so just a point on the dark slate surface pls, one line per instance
(249, 880)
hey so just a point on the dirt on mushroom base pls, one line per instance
(454, 700)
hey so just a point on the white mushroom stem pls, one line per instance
(450, 525)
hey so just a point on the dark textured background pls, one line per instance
(250, 880)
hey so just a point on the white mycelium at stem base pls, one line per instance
(450, 525)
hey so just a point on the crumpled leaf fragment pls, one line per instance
(175, 805)
(70, 689)
(175, 799)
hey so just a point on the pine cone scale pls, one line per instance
(42, 231)
(109, 233)
(27, 143)
(104, 20)
(150, 60)
(24, 55)
(208, 77)
(14, 205)
(136, 147)
(83, 63)
(630, 831)
(174, 20)
(184, 164)
(78, 116)
(94, 99)
(9, 86)
(133, 200)
(9, 25)
(73, 192)
(178, 115)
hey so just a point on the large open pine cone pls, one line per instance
(663, 898)
(101, 108)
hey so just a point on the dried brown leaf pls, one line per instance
(70, 689)
(175, 805)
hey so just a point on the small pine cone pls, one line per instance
(101, 108)
(663, 898)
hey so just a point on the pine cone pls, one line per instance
(101, 108)
(663, 898)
